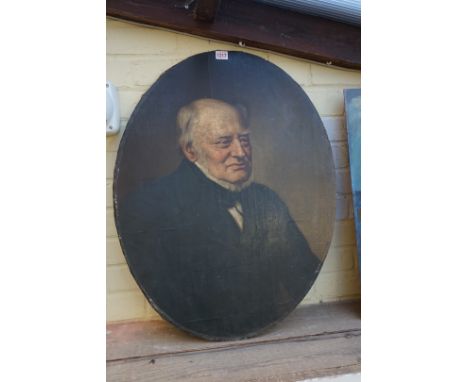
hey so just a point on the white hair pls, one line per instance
(188, 118)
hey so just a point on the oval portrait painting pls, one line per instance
(224, 195)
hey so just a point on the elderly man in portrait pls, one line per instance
(215, 248)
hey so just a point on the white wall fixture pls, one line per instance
(112, 109)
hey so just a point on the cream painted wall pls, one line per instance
(136, 56)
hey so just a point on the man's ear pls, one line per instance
(189, 152)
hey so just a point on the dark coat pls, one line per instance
(199, 270)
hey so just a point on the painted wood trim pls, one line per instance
(254, 25)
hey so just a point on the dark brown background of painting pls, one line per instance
(291, 152)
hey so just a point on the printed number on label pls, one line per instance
(221, 55)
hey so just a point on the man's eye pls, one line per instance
(223, 142)
(244, 140)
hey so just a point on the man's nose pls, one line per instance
(237, 149)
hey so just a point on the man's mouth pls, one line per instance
(238, 167)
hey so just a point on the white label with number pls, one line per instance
(222, 55)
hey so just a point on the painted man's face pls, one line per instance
(223, 145)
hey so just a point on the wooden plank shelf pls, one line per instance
(315, 340)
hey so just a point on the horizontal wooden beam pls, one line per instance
(254, 25)
(315, 340)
